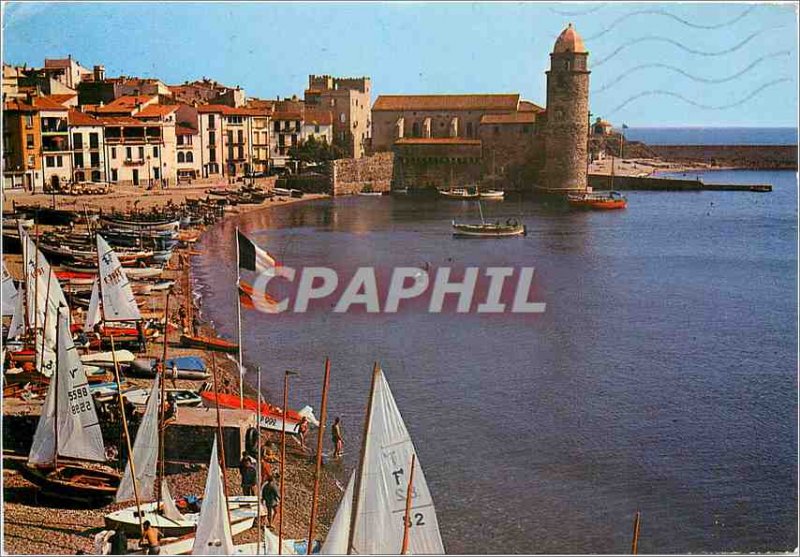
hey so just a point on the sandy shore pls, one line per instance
(33, 524)
(643, 167)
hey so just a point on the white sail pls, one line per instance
(117, 299)
(336, 542)
(43, 298)
(9, 295)
(145, 453)
(382, 494)
(93, 316)
(170, 509)
(213, 535)
(17, 326)
(79, 434)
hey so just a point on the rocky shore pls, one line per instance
(36, 525)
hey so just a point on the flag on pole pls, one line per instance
(252, 257)
(265, 304)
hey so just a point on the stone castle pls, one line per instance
(497, 140)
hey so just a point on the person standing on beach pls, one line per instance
(302, 429)
(247, 469)
(270, 497)
(141, 336)
(151, 539)
(336, 437)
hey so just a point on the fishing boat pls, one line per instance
(189, 367)
(597, 201)
(270, 416)
(510, 228)
(469, 192)
(136, 273)
(209, 343)
(68, 427)
(122, 223)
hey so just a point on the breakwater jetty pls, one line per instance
(651, 183)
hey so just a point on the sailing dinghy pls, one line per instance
(68, 427)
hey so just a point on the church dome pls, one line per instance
(569, 42)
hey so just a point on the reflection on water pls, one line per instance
(661, 377)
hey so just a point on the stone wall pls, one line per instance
(735, 156)
(351, 176)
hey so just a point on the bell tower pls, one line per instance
(567, 116)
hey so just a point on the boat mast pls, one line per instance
(284, 414)
(480, 210)
(635, 542)
(44, 325)
(367, 419)
(407, 517)
(55, 384)
(318, 467)
(260, 455)
(239, 322)
(161, 428)
(127, 435)
(220, 442)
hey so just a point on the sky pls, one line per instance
(653, 64)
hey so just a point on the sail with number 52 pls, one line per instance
(381, 504)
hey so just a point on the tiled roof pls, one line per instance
(569, 41)
(62, 98)
(321, 117)
(185, 130)
(156, 110)
(447, 102)
(528, 106)
(18, 105)
(231, 111)
(47, 103)
(287, 115)
(57, 62)
(511, 118)
(437, 141)
(78, 118)
(126, 103)
(121, 121)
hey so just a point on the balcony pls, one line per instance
(132, 162)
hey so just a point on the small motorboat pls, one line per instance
(209, 343)
(183, 397)
(469, 192)
(597, 201)
(189, 367)
(492, 194)
(270, 417)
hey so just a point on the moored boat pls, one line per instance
(489, 229)
(189, 367)
(469, 192)
(597, 201)
(209, 343)
(270, 417)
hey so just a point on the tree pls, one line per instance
(312, 151)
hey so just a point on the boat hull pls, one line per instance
(209, 343)
(74, 482)
(270, 417)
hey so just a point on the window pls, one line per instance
(212, 155)
(211, 122)
(297, 125)
(241, 152)
(189, 157)
(50, 162)
(95, 176)
(77, 141)
(128, 153)
(93, 140)
(113, 152)
(469, 129)
(316, 128)
(281, 140)
(277, 126)
(29, 141)
(180, 140)
(241, 136)
(113, 174)
(230, 137)
(59, 161)
(212, 137)
(181, 156)
(294, 140)
(141, 152)
(29, 120)
(156, 172)
(94, 159)
(415, 129)
(155, 151)
(79, 160)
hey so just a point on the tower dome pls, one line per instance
(569, 41)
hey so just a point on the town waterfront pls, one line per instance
(661, 378)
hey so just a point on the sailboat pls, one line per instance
(371, 518)
(213, 536)
(169, 521)
(68, 427)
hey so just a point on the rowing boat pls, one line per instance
(209, 343)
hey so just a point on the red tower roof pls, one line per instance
(569, 41)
